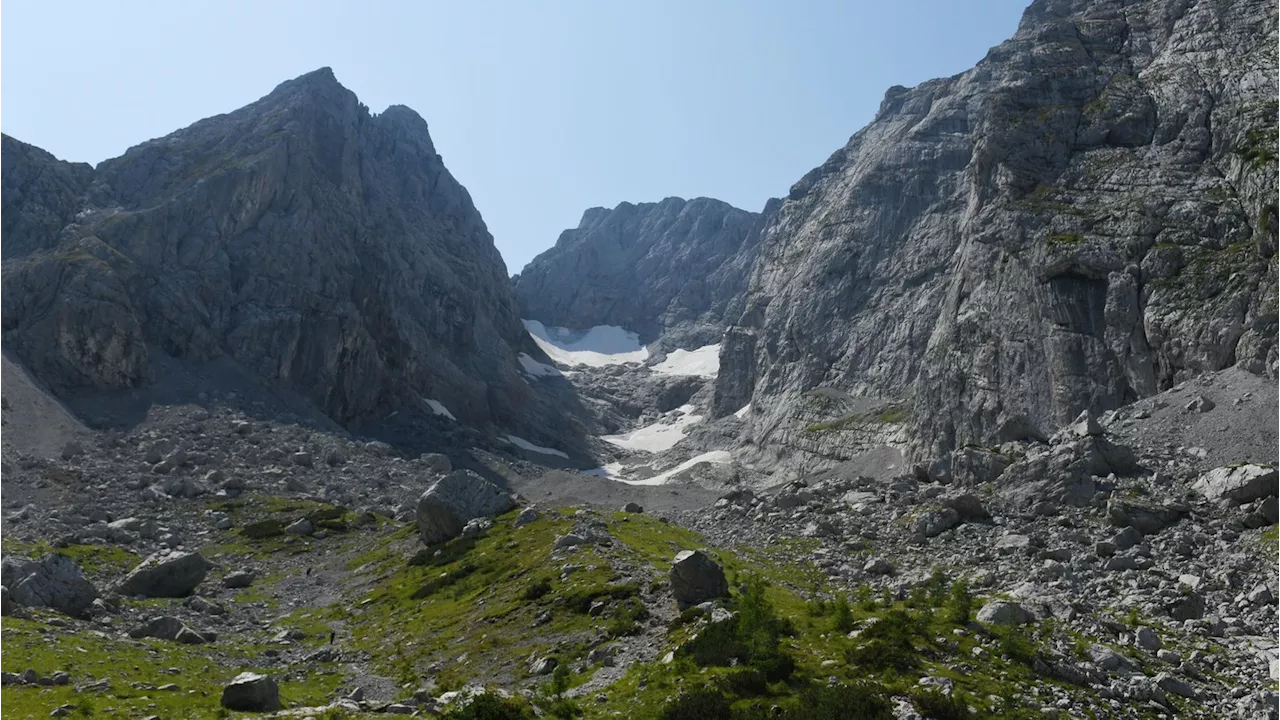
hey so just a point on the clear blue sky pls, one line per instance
(542, 109)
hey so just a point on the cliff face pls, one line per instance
(676, 269)
(1086, 217)
(313, 242)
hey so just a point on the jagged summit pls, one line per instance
(673, 268)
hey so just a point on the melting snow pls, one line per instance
(703, 362)
(658, 436)
(521, 442)
(537, 369)
(601, 345)
(718, 457)
(438, 408)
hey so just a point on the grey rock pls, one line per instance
(173, 574)
(446, 506)
(1110, 660)
(1146, 518)
(679, 266)
(1126, 538)
(1173, 684)
(969, 507)
(436, 463)
(251, 692)
(53, 582)
(1200, 404)
(164, 627)
(696, 578)
(153, 248)
(1240, 484)
(569, 540)
(542, 666)
(1086, 425)
(476, 527)
(301, 526)
(1189, 606)
(632, 507)
(934, 522)
(878, 566)
(526, 516)
(1003, 612)
(1147, 639)
(1004, 223)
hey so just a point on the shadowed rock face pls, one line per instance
(677, 268)
(1084, 218)
(313, 242)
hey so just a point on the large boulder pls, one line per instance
(1146, 518)
(462, 495)
(251, 692)
(1239, 484)
(165, 575)
(54, 582)
(936, 521)
(167, 627)
(696, 578)
(1003, 612)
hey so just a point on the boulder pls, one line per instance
(1239, 484)
(696, 578)
(436, 463)
(446, 506)
(936, 521)
(173, 574)
(301, 526)
(632, 507)
(526, 516)
(170, 628)
(54, 582)
(238, 579)
(1085, 425)
(972, 466)
(968, 506)
(1003, 612)
(251, 692)
(1146, 518)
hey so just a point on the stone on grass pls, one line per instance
(173, 574)
(696, 578)
(526, 516)
(238, 579)
(53, 582)
(632, 507)
(251, 692)
(444, 509)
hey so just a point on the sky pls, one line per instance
(541, 109)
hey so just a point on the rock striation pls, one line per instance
(316, 244)
(676, 269)
(1085, 218)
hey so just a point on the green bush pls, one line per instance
(537, 589)
(960, 604)
(842, 615)
(703, 704)
(751, 637)
(1016, 646)
(887, 644)
(933, 704)
(490, 706)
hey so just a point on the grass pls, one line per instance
(94, 560)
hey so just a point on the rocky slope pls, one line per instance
(1085, 218)
(314, 243)
(675, 269)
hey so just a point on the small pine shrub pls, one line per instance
(703, 704)
(933, 704)
(842, 615)
(959, 604)
(490, 706)
(537, 589)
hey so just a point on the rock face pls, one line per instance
(315, 243)
(54, 582)
(251, 692)
(1086, 217)
(696, 578)
(165, 575)
(676, 267)
(462, 495)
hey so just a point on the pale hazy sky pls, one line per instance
(541, 109)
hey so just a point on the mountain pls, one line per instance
(1085, 218)
(675, 269)
(310, 241)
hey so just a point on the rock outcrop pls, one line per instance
(676, 268)
(316, 244)
(1086, 217)
(165, 575)
(453, 500)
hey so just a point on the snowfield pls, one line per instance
(522, 443)
(718, 457)
(660, 436)
(537, 369)
(703, 362)
(601, 345)
(438, 408)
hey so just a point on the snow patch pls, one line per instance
(718, 457)
(703, 362)
(522, 443)
(742, 412)
(537, 369)
(601, 345)
(659, 436)
(438, 408)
